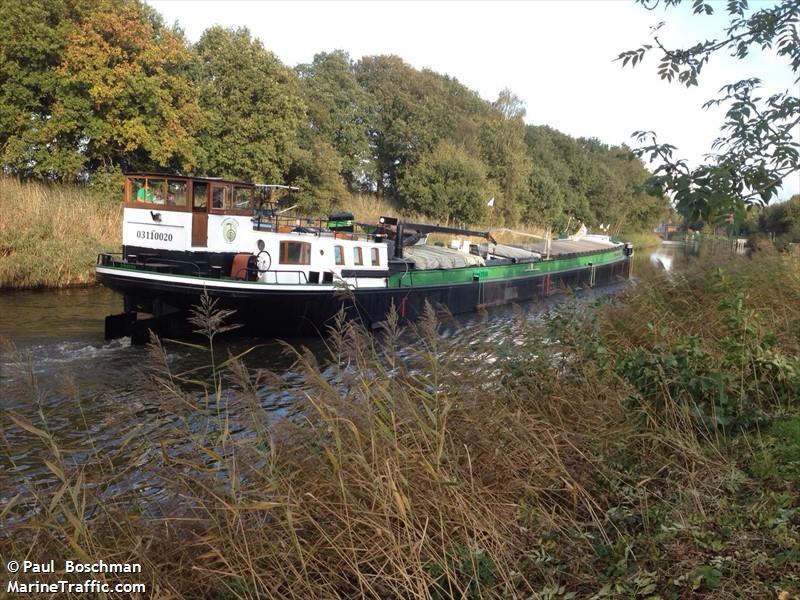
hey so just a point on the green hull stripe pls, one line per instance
(469, 274)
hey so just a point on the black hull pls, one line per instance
(300, 312)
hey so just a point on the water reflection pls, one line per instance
(668, 253)
(662, 260)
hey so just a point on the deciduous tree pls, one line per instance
(315, 169)
(408, 116)
(337, 110)
(446, 184)
(252, 107)
(90, 83)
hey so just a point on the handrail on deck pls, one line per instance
(296, 272)
(179, 262)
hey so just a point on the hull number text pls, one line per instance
(154, 235)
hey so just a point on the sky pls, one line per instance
(557, 56)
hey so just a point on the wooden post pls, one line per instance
(547, 242)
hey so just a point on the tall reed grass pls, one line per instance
(50, 235)
(368, 208)
(642, 240)
(446, 463)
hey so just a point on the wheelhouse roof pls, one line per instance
(191, 177)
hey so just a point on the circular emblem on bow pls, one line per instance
(229, 227)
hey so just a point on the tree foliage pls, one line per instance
(127, 99)
(446, 184)
(502, 148)
(337, 112)
(315, 169)
(781, 221)
(90, 84)
(252, 107)
(90, 87)
(407, 117)
(758, 146)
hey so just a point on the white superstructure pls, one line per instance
(191, 219)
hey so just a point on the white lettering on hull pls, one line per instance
(164, 230)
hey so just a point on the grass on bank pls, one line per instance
(642, 448)
(50, 235)
(646, 240)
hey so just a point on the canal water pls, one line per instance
(56, 367)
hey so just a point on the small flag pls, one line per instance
(490, 202)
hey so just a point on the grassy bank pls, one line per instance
(50, 234)
(647, 447)
(642, 240)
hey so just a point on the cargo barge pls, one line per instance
(284, 275)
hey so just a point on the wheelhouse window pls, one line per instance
(176, 192)
(358, 258)
(199, 196)
(157, 187)
(242, 198)
(179, 193)
(139, 190)
(295, 253)
(338, 254)
(148, 190)
(220, 197)
(376, 257)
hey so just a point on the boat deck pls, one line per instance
(566, 247)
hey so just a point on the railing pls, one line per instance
(318, 227)
(198, 270)
(107, 259)
(301, 277)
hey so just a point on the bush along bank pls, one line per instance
(50, 235)
(641, 447)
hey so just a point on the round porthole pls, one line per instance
(322, 252)
(260, 244)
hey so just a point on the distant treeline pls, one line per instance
(779, 221)
(90, 88)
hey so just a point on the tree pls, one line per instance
(446, 184)
(90, 83)
(128, 98)
(588, 181)
(565, 162)
(33, 35)
(544, 200)
(618, 192)
(502, 141)
(406, 117)
(338, 111)
(252, 107)
(782, 221)
(315, 170)
(756, 149)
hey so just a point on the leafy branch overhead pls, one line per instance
(758, 143)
